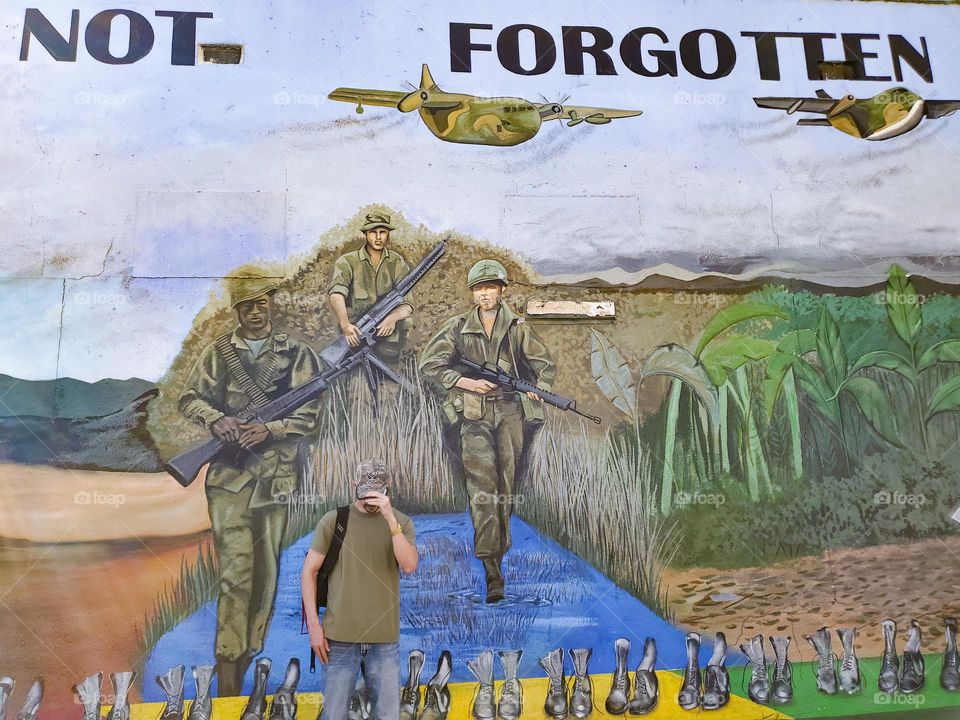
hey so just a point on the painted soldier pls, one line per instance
(248, 485)
(361, 277)
(491, 419)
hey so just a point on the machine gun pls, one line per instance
(493, 373)
(337, 351)
(340, 359)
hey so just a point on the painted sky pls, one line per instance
(120, 180)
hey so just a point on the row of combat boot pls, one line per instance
(510, 703)
(762, 688)
(31, 705)
(89, 691)
(436, 694)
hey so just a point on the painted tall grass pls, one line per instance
(590, 492)
(595, 496)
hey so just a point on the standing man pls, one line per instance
(491, 429)
(247, 486)
(361, 277)
(362, 620)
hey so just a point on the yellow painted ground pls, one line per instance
(534, 692)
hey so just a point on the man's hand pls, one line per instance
(533, 396)
(352, 333)
(226, 429)
(387, 327)
(480, 387)
(252, 434)
(386, 508)
(319, 643)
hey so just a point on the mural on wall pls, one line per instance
(673, 406)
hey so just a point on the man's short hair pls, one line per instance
(372, 471)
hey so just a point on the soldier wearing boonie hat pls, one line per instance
(363, 276)
(248, 486)
(491, 421)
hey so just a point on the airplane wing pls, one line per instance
(941, 108)
(360, 96)
(792, 104)
(595, 115)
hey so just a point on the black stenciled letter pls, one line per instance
(508, 49)
(183, 46)
(60, 49)
(574, 49)
(462, 47)
(97, 37)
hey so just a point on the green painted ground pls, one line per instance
(932, 701)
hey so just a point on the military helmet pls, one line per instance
(249, 282)
(486, 271)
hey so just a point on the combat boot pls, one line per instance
(716, 682)
(284, 705)
(781, 692)
(436, 695)
(483, 702)
(689, 695)
(620, 688)
(256, 707)
(410, 693)
(202, 706)
(850, 681)
(122, 682)
(581, 698)
(889, 679)
(912, 676)
(88, 692)
(6, 690)
(646, 687)
(31, 706)
(494, 577)
(555, 705)
(826, 668)
(171, 682)
(759, 688)
(950, 670)
(361, 707)
(510, 704)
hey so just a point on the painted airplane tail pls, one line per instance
(426, 80)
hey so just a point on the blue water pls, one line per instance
(554, 599)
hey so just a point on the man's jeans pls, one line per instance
(381, 670)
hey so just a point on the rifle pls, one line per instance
(493, 373)
(340, 358)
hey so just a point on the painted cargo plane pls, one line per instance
(458, 118)
(886, 115)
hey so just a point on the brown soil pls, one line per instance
(70, 610)
(842, 588)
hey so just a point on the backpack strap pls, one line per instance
(237, 370)
(330, 560)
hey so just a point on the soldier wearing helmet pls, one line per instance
(248, 486)
(491, 420)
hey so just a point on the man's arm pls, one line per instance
(403, 549)
(308, 590)
(205, 383)
(400, 312)
(340, 285)
(538, 356)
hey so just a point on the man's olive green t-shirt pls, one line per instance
(363, 591)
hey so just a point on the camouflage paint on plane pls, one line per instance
(891, 113)
(459, 118)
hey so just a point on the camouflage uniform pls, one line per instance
(247, 490)
(491, 431)
(362, 284)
